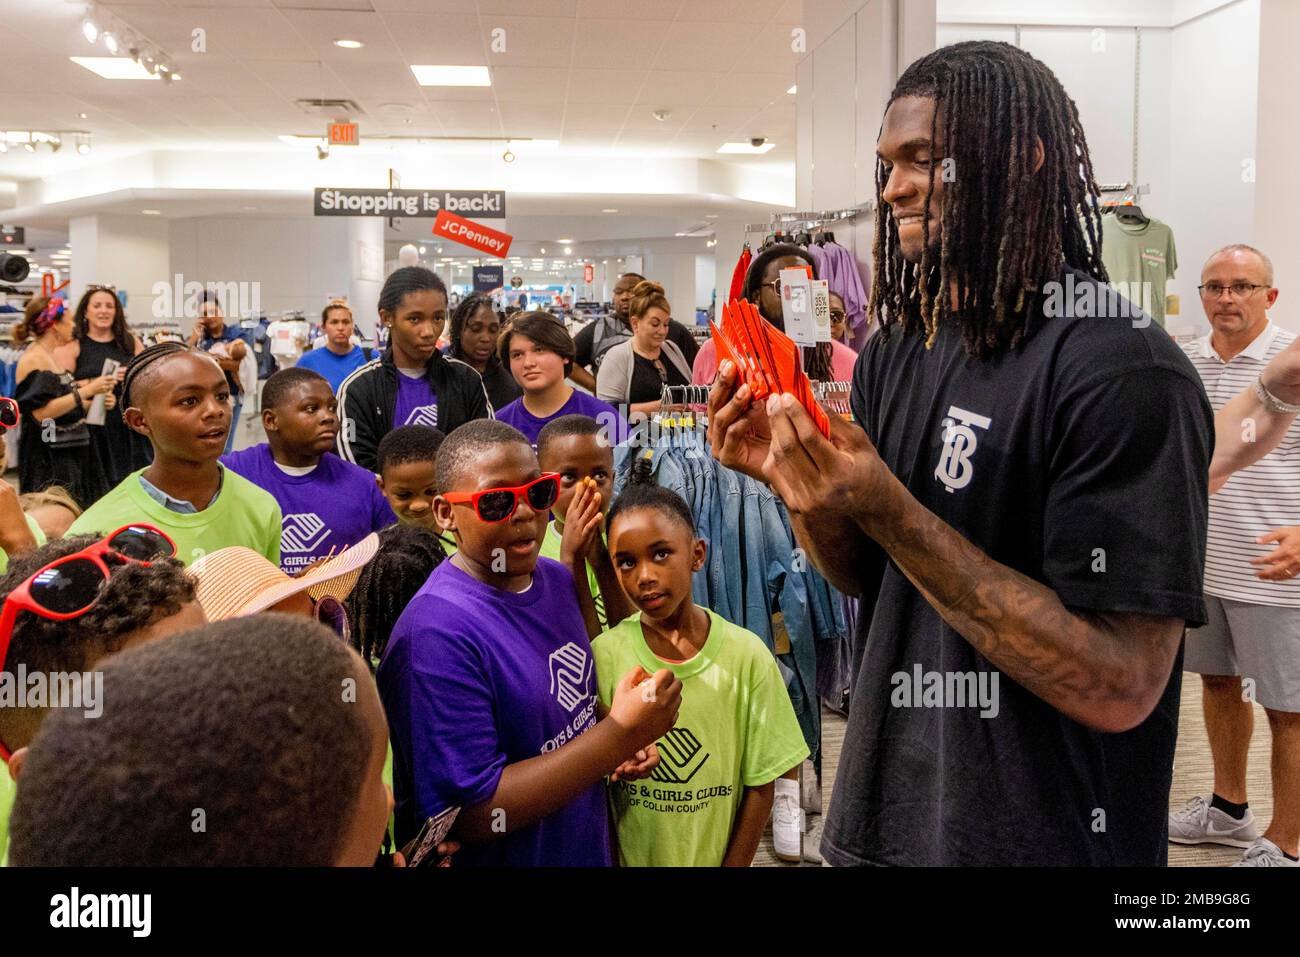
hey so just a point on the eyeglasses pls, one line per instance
(330, 612)
(837, 315)
(1239, 290)
(68, 587)
(8, 413)
(775, 284)
(494, 505)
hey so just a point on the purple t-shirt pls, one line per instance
(332, 507)
(476, 678)
(416, 402)
(580, 403)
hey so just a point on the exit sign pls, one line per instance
(343, 134)
(12, 235)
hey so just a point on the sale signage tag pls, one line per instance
(797, 306)
(821, 298)
(469, 233)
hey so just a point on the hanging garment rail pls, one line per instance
(810, 218)
(684, 395)
(1140, 190)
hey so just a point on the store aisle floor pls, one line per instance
(1193, 774)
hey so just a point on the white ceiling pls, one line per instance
(588, 73)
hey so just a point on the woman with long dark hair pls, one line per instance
(475, 327)
(101, 334)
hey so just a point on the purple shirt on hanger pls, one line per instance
(416, 402)
(332, 507)
(476, 678)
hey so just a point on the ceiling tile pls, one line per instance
(605, 86)
(663, 89)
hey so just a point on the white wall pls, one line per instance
(129, 252)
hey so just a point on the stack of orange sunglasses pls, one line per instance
(765, 357)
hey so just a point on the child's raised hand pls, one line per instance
(581, 523)
(646, 706)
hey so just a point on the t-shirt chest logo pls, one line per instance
(570, 668)
(959, 443)
(681, 755)
(302, 532)
(423, 415)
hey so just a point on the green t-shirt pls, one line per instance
(1140, 260)
(551, 549)
(8, 788)
(36, 532)
(736, 729)
(243, 514)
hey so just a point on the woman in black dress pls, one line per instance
(54, 444)
(101, 333)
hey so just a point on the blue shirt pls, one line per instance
(334, 367)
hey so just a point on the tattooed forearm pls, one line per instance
(834, 548)
(1104, 670)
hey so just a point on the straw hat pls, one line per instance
(237, 581)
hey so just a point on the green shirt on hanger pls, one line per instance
(1135, 255)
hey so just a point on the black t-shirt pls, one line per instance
(1080, 460)
(584, 341)
(647, 386)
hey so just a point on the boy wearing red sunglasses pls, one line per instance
(488, 678)
(72, 603)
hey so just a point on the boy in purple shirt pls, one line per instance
(488, 679)
(327, 504)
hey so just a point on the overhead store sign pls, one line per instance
(469, 233)
(342, 201)
(343, 134)
(488, 278)
(588, 273)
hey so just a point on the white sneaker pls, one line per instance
(1264, 853)
(787, 821)
(1196, 822)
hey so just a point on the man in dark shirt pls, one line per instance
(1021, 504)
(599, 336)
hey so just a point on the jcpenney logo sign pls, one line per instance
(335, 201)
(469, 233)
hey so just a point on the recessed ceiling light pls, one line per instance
(110, 42)
(349, 44)
(793, 89)
(82, 116)
(564, 240)
(568, 250)
(609, 210)
(442, 75)
(746, 148)
(422, 250)
(114, 68)
(710, 215)
(90, 30)
(152, 212)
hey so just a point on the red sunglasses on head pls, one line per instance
(8, 413)
(68, 587)
(494, 505)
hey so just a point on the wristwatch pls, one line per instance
(1270, 400)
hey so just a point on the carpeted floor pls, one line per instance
(1193, 774)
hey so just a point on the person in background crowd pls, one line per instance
(406, 558)
(102, 334)
(475, 328)
(824, 362)
(228, 345)
(53, 510)
(180, 400)
(634, 372)
(138, 603)
(475, 722)
(595, 339)
(54, 444)
(339, 357)
(539, 353)
(246, 714)
(839, 319)
(735, 708)
(1247, 652)
(974, 381)
(412, 383)
(326, 504)
(572, 447)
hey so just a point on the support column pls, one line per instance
(129, 252)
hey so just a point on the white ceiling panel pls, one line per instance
(529, 41)
(613, 44)
(678, 89)
(605, 86)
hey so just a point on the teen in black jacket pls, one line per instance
(411, 382)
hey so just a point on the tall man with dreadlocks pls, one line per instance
(1021, 504)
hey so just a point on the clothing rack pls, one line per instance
(834, 395)
(809, 219)
(1135, 191)
(684, 395)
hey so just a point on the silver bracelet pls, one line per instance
(1270, 400)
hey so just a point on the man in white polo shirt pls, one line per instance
(1250, 648)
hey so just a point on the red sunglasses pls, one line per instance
(68, 587)
(494, 505)
(8, 413)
